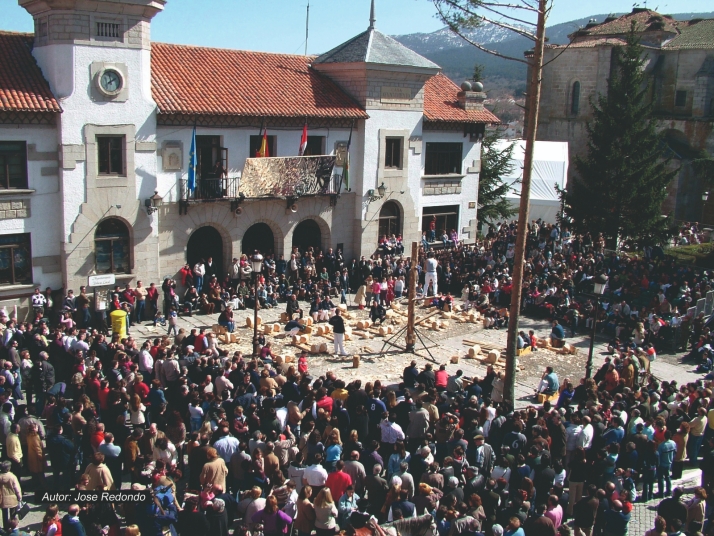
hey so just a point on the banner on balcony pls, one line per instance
(292, 176)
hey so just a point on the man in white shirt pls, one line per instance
(146, 361)
(315, 475)
(585, 438)
(430, 266)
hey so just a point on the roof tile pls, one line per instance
(441, 103)
(211, 81)
(22, 86)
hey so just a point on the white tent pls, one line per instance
(550, 168)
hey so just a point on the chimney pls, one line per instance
(472, 96)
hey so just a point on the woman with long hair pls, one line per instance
(333, 450)
(305, 519)
(577, 476)
(275, 521)
(51, 523)
(137, 418)
(325, 513)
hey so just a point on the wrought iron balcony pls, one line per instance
(210, 189)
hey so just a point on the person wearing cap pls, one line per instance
(484, 457)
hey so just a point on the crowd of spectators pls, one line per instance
(220, 437)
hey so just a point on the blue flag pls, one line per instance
(192, 163)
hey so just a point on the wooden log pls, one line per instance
(493, 356)
(455, 359)
(323, 348)
(355, 361)
(315, 349)
(284, 317)
(276, 328)
(474, 351)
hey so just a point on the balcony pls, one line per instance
(268, 178)
(208, 190)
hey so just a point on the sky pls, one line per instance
(279, 25)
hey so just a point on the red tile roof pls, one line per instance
(643, 19)
(211, 81)
(441, 103)
(22, 86)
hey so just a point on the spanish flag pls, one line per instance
(263, 152)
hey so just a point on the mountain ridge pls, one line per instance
(458, 57)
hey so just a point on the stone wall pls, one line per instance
(442, 186)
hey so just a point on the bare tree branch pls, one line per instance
(459, 20)
(558, 55)
(509, 6)
(527, 23)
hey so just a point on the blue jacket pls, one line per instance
(72, 526)
(666, 451)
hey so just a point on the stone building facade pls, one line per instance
(680, 64)
(97, 121)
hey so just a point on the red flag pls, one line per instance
(264, 152)
(303, 141)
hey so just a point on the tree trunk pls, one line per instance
(534, 88)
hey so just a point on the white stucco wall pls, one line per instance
(44, 223)
(67, 69)
(469, 184)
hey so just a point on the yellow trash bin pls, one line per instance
(118, 319)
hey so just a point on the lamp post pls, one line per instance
(705, 198)
(600, 282)
(153, 203)
(257, 264)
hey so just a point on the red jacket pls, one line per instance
(442, 377)
(338, 482)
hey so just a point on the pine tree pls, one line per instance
(495, 165)
(622, 182)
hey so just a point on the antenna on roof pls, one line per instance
(307, 25)
(372, 19)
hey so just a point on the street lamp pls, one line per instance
(705, 198)
(379, 194)
(153, 203)
(257, 264)
(599, 284)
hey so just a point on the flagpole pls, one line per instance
(307, 25)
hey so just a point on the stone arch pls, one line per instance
(390, 213)
(246, 223)
(130, 251)
(325, 233)
(225, 240)
(575, 94)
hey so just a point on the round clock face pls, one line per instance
(110, 81)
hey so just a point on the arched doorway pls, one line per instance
(389, 220)
(260, 237)
(307, 234)
(111, 247)
(206, 242)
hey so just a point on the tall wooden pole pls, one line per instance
(533, 104)
(411, 297)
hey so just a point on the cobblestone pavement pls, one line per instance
(444, 344)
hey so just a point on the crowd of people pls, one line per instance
(220, 438)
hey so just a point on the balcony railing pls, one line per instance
(210, 189)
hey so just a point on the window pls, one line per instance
(447, 218)
(111, 247)
(315, 146)
(389, 220)
(680, 98)
(393, 153)
(443, 158)
(209, 153)
(111, 155)
(575, 99)
(13, 165)
(108, 29)
(256, 141)
(15, 259)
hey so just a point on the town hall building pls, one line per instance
(97, 124)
